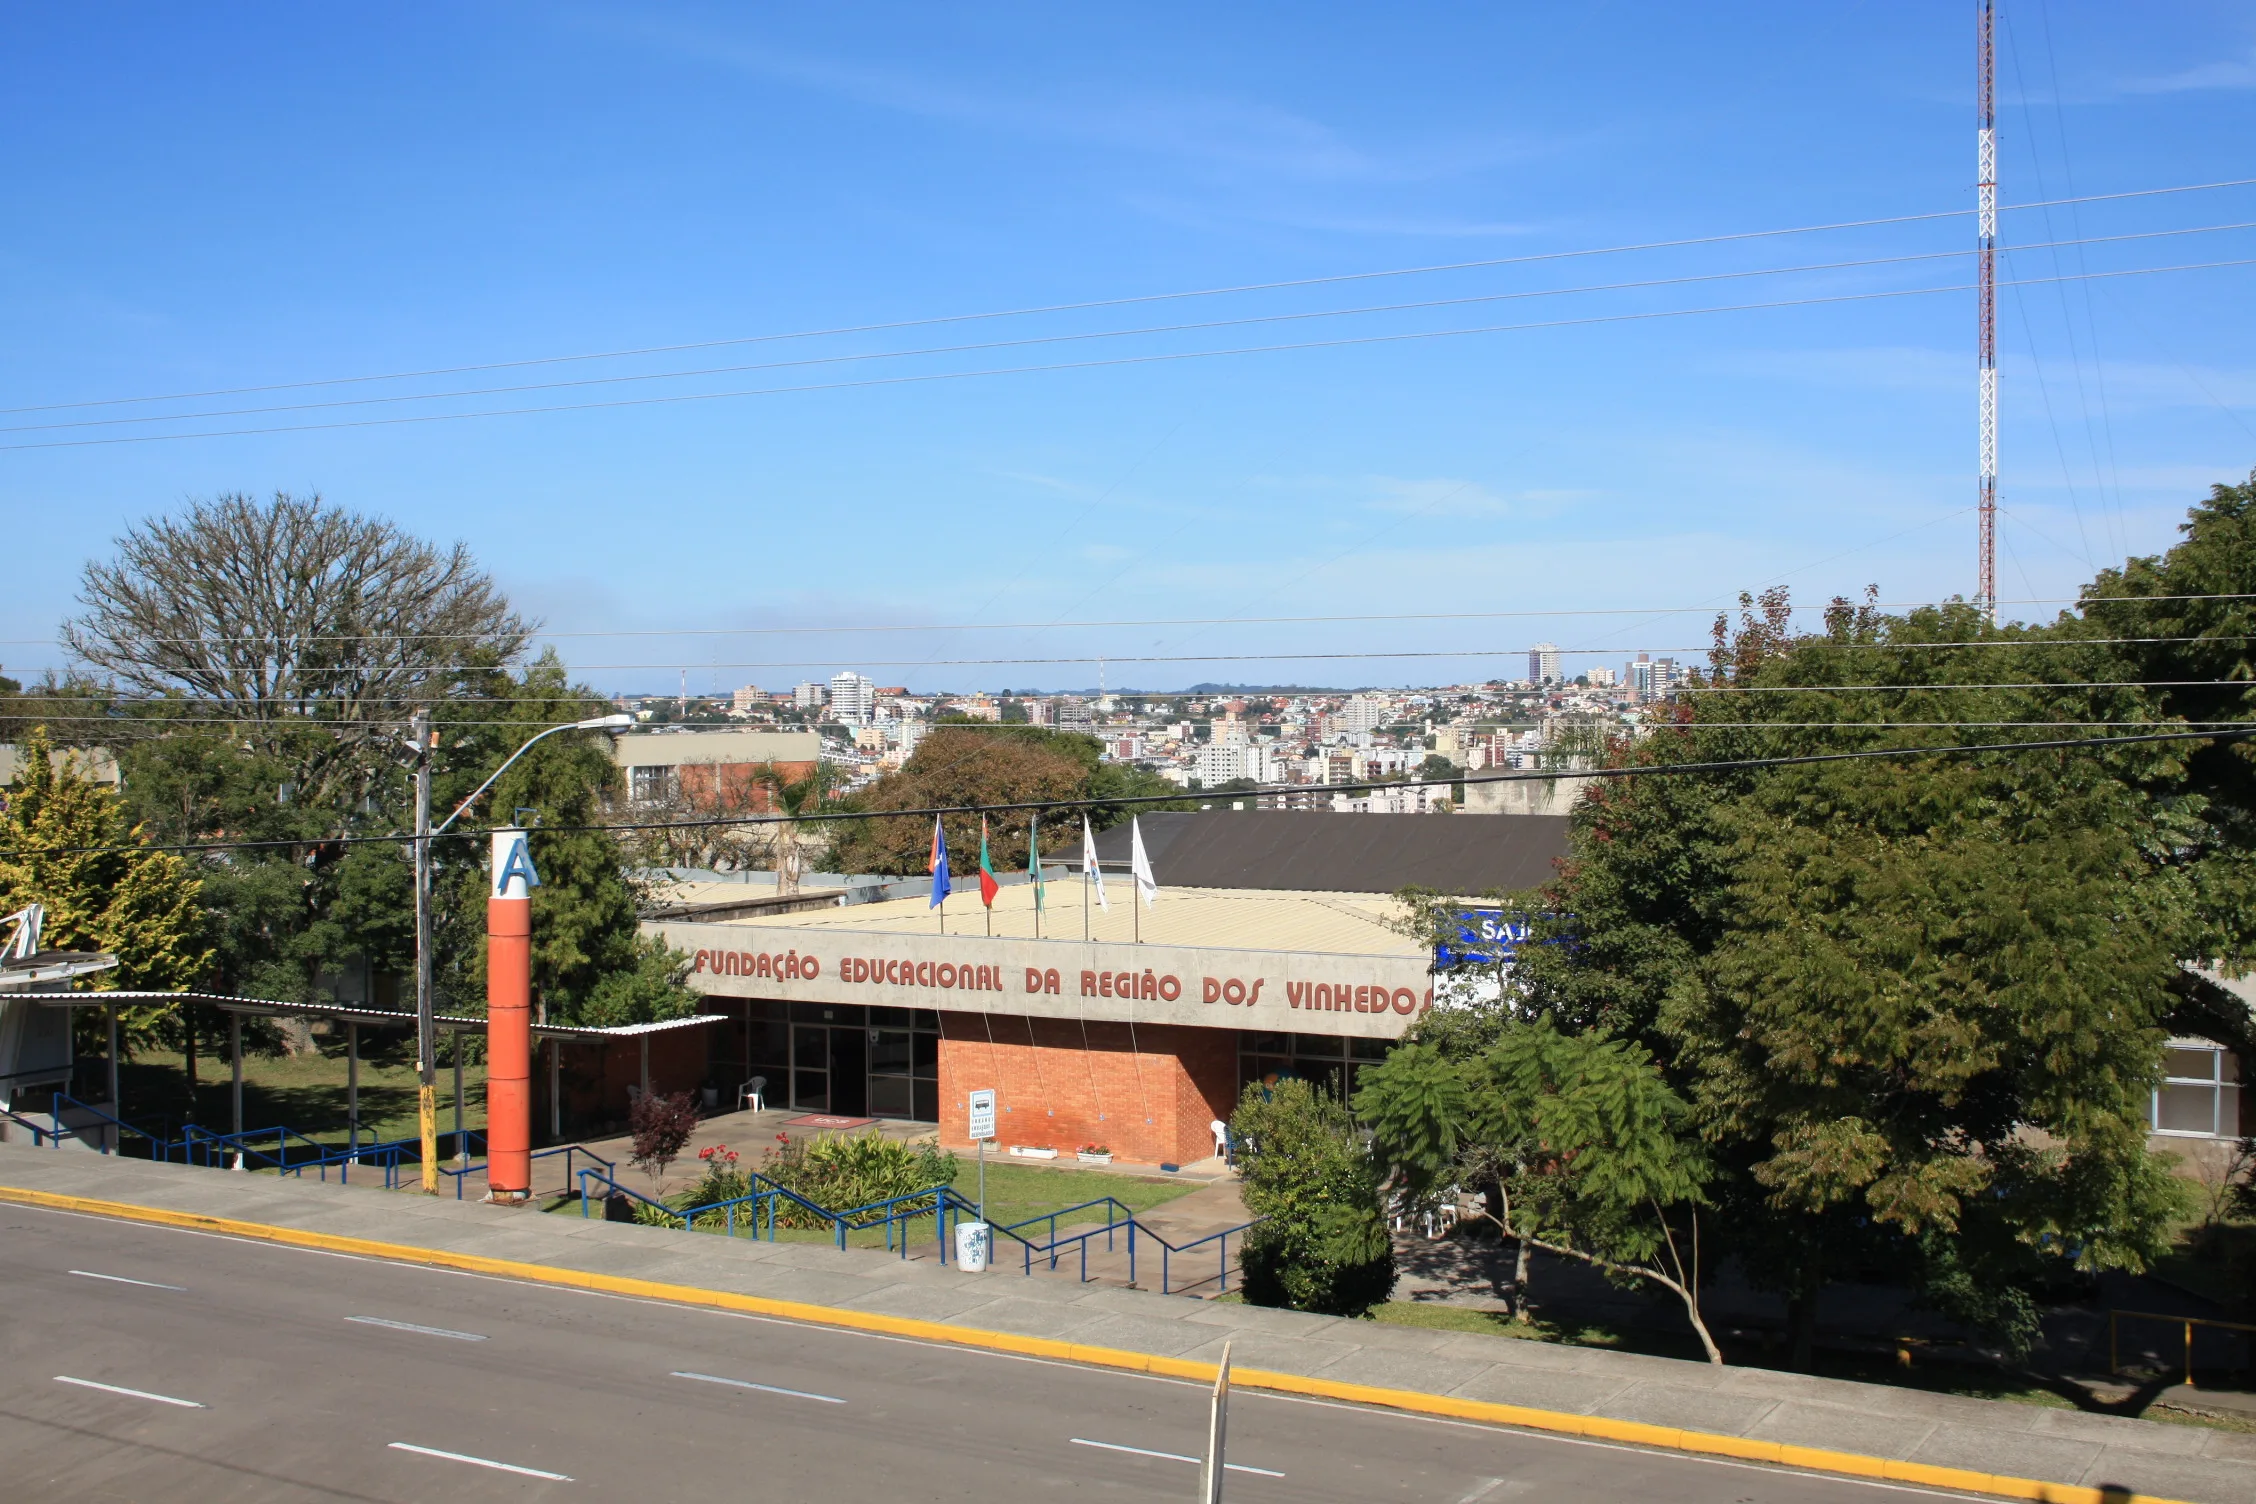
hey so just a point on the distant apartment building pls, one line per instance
(1361, 713)
(747, 700)
(853, 699)
(981, 708)
(1543, 663)
(807, 696)
(1601, 677)
(1651, 677)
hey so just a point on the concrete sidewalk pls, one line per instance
(2055, 1446)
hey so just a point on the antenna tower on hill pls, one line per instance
(1985, 190)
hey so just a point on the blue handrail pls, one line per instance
(159, 1146)
(461, 1176)
(39, 1136)
(943, 1203)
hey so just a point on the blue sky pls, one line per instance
(202, 200)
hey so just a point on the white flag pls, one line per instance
(1139, 863)
(1089, 869)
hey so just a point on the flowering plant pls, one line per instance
(1094, 1149)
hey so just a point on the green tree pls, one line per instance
(958, 767)
(1914, 1005)
(647, 991)
(1322, 1243)
(139, 904)
(1592, 1156)
(583, 915)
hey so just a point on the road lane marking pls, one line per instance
(500, 1467)
(138, 1394)
(119, 1279)
(797, 1394)
(409, 1326)
(1114, 1446)
(1559, 1428)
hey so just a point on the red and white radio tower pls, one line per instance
(1985, 190)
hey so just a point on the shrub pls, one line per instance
(1323, 1245)
(840, 1173)
(661, 1127)
(722, 1181)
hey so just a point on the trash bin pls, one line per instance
(972, 1243)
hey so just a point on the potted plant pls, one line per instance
(1093, 1154)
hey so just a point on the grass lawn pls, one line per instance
(1016, 1192)
(305, 1092)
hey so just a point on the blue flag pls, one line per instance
(939, 863)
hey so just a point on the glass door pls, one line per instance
(810, 1067)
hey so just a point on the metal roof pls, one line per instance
(1324, 851)
(1323, 923)
(380, 1018)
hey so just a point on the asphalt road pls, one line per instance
(141, 1363)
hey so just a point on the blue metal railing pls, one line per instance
(1114, 1224)
(159, 1145)
(756, 1213)
(40, 1137)
(572, 1154)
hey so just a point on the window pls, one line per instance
(653, 784)
(2200, 1092)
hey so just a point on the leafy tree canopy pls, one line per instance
(956, 767)
(139, 904)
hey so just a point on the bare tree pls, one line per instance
(288, 616)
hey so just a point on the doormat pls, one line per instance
(827, 1120)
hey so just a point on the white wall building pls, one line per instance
(853, 699)
(807, 696)
(1543, 663)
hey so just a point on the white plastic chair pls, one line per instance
(1221, 1132)
(753, 1091)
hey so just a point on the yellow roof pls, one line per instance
(1352, 924)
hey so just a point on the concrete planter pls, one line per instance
(1026, 1151)
(1094, 1159)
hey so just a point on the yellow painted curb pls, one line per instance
(1594, 1427)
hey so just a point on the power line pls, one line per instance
(1037, 806)
(1088, 335)
(1301, 656)
(925, 378)
(1157, 621)
(1122, 302)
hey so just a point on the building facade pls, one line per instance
(1268, 951)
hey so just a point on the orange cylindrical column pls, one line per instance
(509, 1020)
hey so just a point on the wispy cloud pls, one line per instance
(1234, 135)
(2224, 73)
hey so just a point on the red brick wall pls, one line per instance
(732, 786)
(596, 1076)
(1062, 1083)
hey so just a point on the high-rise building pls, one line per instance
(853, 699)
(747, 699)
(1361, 713)
(1601, 677)
(1543, 663)
(807, 696)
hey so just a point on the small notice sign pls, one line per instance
(982, 1115)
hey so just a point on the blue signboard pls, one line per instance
(1485, 937)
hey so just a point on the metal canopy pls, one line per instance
(376, 1018)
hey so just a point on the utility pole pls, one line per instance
(426, 1042)
(1985, 191)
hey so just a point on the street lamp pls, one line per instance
(426, 1042)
